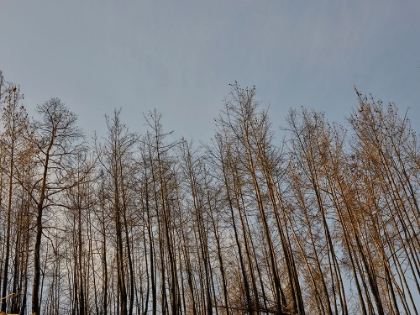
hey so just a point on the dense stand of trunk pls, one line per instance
(322, 223)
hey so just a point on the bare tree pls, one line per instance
(57, 141)
(13, 144)
(115, 156)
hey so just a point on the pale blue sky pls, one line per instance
(180, 56)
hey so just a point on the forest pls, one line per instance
(306, 218)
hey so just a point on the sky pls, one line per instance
(180, 57)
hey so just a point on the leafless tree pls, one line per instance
(57, 141)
